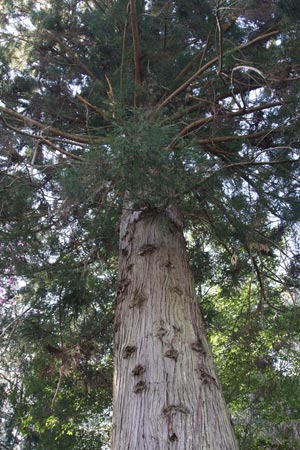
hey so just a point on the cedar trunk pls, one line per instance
(166, 391)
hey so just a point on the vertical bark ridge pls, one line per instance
(166, 392)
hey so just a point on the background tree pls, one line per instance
(146, 105)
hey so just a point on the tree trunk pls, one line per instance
(166, 391)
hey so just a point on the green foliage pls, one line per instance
(67, 333)
(142, 163)
(253, 336)
(201, 113)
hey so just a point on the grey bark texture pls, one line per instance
(166, 391)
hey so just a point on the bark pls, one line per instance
(166, 391)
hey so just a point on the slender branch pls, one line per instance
(136, 50)
(57, 387)
(58, 149)
(97, 4)
(200, 56)
(56, 132)
(14, 321)
(210, 63)
(123, 56)
(4, 446)
(229, 164)
(220, 32)
(259, 275)
(201, 100)
(205, 120)
(184, 85)
(43, 139)
(260, 163)
(236, 165)
(21, 218)
(216, 139)
(73, 55)
(261, 283)
(110, 92)
(91, 106)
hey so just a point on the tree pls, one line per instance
(153, 118)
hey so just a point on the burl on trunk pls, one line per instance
(166, 391)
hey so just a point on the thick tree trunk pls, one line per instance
(166, 391)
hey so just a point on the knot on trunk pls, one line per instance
(173, 409)
(206, 377)
(197, 346)
(124, 251)
(169, 265)
(128, 351)
(138, 299)
(173, 437)
(161, 332)
(172, 353)
(176, 290)
(117, 325)
(140, 387)
(138, 370)
(147, 249)
(122, 288)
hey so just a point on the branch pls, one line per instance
(123, 56)
(41, 138)
(61, 374)
(220, 31)
(14, 321)
(136, 50)
(56, 132)
(216, 139)
(201, 101)
(89, 105)
(200, 56)
(98, 5)
(209, 64)
(184, 85)
(4, 446)
(228, 165)
(205, 120)
(260, 163)
(73, 55)
(259, 276)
